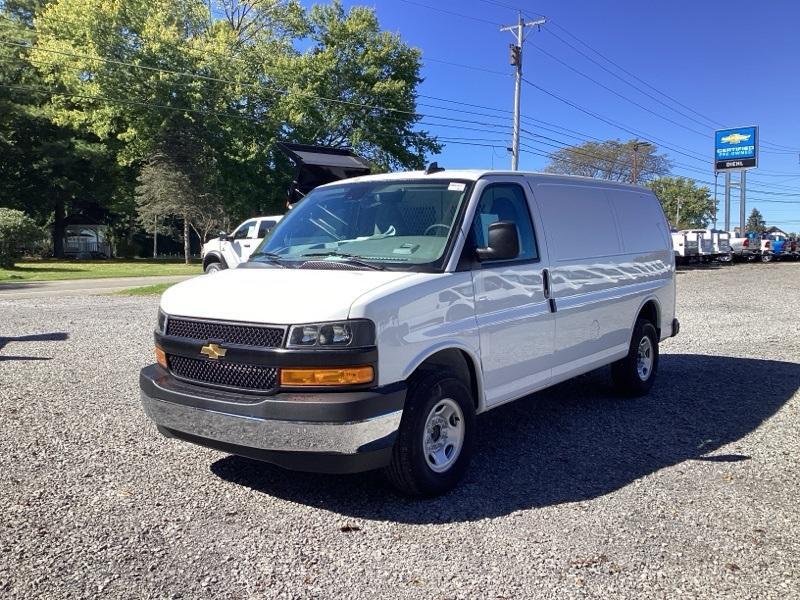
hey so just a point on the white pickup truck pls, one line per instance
(409, 303)
(230, 250)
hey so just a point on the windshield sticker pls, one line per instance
(456, 186)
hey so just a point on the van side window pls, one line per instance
(504, 202)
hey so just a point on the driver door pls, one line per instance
(515, 321)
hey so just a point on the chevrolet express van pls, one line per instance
(384, 312)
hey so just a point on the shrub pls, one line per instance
(16, 230)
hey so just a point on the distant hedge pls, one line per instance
(16, 230)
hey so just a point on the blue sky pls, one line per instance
(735, 63)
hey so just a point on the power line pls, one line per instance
(471, 67)
(414, 114)
(450, 12)
(618, 94)
(642, 81)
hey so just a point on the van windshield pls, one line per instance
(389, 224)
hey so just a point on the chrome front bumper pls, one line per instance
(349, 437)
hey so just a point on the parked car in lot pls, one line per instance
(686, 250)
(793, 250)
(745, 247)
(701, 240)
(767, 253)
(721, 243)
(230, 250)
(409, 303)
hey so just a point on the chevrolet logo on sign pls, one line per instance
(735, 138)
(213, 351)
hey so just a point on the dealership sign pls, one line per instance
(736, 148)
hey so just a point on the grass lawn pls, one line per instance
(146, 290)
(51, 270)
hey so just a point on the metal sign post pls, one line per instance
(742, 193)
(727, 201)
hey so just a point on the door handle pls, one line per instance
(546, 283)
(551, 302)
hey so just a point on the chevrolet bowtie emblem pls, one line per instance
(214, 351)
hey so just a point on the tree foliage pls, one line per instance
(611, 159)
(121, 81)
(756, 222)
(696, 204)
(16, 230)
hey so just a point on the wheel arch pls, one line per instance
(214, 256)
(461, 359)
(651, 310)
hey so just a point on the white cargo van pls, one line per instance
(384, 312)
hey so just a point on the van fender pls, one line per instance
(452, 344)
(645, 300)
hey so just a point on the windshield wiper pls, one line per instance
(272, 257)
(353, 258)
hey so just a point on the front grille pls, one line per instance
(242, 376)
(228, 333)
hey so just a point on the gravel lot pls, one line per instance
(693, 491)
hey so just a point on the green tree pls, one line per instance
(47, 169)
(611, 159)
(686, 205)
(177, 180)
(756, 222)
(369, 78)
(230, 71)
(17, 230)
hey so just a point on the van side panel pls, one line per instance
(642, 223)
(605, 264)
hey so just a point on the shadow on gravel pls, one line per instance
(58, 336)
(575, 441)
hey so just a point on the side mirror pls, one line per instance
(503, 242)
(223, 236)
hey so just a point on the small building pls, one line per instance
(776, 231)
(85, 240)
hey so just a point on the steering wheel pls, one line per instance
(435, 225)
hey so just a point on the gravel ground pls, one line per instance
(693, 491)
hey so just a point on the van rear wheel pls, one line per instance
(436, 436)
(634, 375)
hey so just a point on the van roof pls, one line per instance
(475, 174)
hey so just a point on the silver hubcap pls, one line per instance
(443, 435)
(644, 358)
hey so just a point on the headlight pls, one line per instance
(355, 333)
(161, 323)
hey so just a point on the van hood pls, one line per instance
(273, 295)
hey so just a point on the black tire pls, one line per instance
(409, 471)
(625, 373)
(214, 267)
(765, 258)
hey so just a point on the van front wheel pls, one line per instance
(436, 436)
(634, 375)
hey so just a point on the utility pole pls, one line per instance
(155, 236)
(516, 60)
(678, 215)
(636, 145)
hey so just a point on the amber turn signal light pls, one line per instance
(318, 377)
(161, 358)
